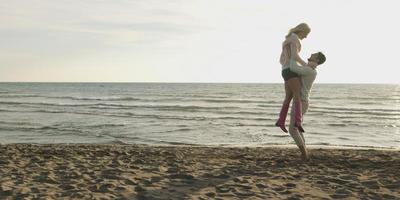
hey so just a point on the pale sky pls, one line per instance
(194, 40)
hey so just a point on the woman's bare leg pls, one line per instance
(285, 108)
(288, 93)
(295, 87)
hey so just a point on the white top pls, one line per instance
(308, 76)
(285, 55)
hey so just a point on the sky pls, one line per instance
(194, 40)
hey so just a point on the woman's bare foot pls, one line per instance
(282, 126)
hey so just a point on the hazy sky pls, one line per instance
(194, 40)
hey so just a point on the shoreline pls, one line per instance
(289, 146)
(114, 171)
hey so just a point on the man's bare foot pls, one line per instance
(305, 156)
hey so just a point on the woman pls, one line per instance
(290, 53)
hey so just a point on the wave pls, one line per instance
(242, 113)
(175, 130)
(205, 95)
(26, 128)
(357, 116)
(226, 114)
(375, 98)
(103, 125)
(253, 125)
(154, 116)
(348, 145)
(371, 103)
(351, 109)
(41, 103)
(137, 139)
(19, 95)
(344, 124)
(340, 125)
(96, 98)
(157, 116)
(6, 110)
(190, 108)
(190, 118)
(355, 111)
(272, 104)
(90, 98)
(71, 129)
(280, 136)
(49, 111)
(321, 98)
(155, 99)
(343, 138)
(102, 105)
(241, 118)
(18, 123)
(178, 94)
(233, 101)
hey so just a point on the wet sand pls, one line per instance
(63, 171)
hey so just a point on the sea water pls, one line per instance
(355, 115)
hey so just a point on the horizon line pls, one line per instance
(380, 83)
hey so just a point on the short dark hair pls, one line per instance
(321, 58)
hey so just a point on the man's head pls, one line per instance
(318, 58)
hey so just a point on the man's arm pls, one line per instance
(300, 70)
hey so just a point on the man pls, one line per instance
(308, 74)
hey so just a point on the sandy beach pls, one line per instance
(62, 171)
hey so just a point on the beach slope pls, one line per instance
(61, 171)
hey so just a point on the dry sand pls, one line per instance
(187, 172)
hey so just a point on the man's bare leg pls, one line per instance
(297, 135)
(294, 132)
(304, 153)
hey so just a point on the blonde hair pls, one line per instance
(303, 27)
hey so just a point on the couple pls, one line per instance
(298, 82)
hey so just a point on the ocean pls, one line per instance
(222, 114)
